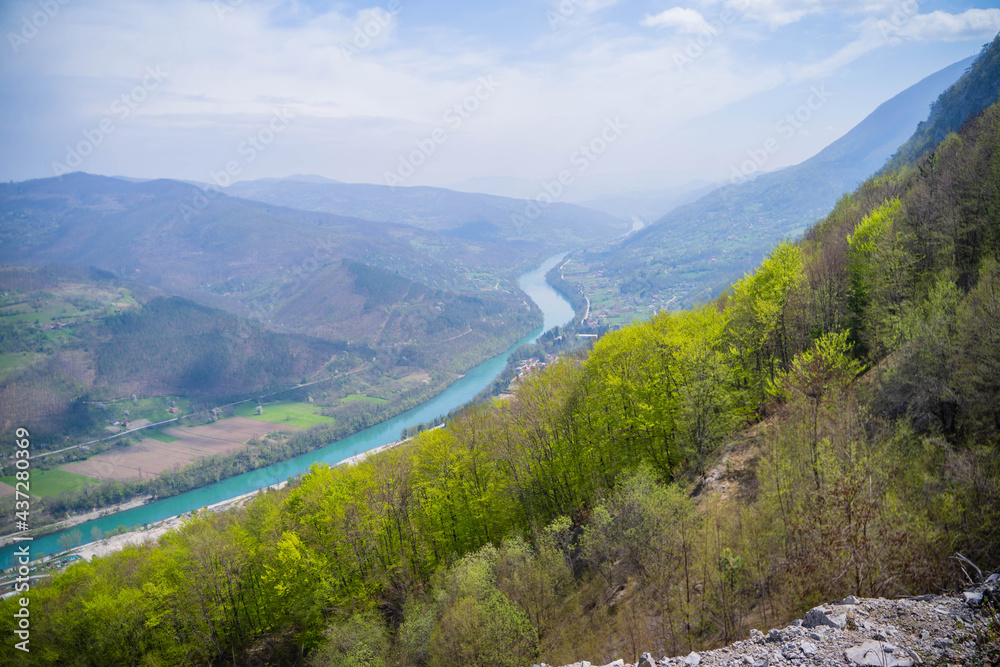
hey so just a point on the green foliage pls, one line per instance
(361, 641)
(758, 321)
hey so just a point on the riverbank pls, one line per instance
(154, 531)
(556, 312)
(74, 520)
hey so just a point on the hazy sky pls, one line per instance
(436, 92)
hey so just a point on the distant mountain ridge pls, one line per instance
(473, 216)
(697, 248)
(977, 90)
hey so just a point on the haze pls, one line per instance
(496, 98)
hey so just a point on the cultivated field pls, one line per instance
(285, 413)
(150, 457)
(48, 483)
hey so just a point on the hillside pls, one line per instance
(472, 216)
(575, 518)
(696, 249)
(973, 93)
(427, 305)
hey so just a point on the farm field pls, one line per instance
(350, 398)
(150, 457)
(285, 413)
(48, 483)
(158, 434)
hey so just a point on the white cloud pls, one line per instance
(684, 19)
(937, 26)
(941, 26)
(776, 13)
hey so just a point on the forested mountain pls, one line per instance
(969, 96)
(426, 304)
(478, 217)
(828, 426)
(696, 249)
(172, 234)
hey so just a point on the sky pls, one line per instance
(626, 95)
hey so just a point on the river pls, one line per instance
(556, 311)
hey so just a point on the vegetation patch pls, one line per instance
(285, 413)
(157, 434)
(372, 400)
(52, 482)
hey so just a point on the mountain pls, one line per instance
(695, 249)
(429, 305)
(476, 217)
(977, 90)
(827, 431)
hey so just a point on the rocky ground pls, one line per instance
(929, 630)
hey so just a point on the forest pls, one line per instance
(856, 371)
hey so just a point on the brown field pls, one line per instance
(6, 490)
(149, 458)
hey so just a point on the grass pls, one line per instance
(157, 434)
(285, 413)
(364, 399)
(52, 482)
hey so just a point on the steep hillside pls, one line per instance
(977, 90)
(697, 249)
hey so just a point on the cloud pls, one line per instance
(685, 20)
(776, 13)
(898, 27)
(940, 26)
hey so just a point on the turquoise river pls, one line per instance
(557, 312)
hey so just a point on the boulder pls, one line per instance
(819, 616)
(877, 654)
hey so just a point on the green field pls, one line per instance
(52, 482)
(285, 413)
(157, 434)
(350, 398)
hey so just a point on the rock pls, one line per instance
(797, 623)
(809, 648)
(973, 598)
(941, 642)
(776, 636)
(646, 661)
(692, 660)
(819, 616)
(850, 599)
(877, 654)
(756, 636)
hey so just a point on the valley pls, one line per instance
(580, 334)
